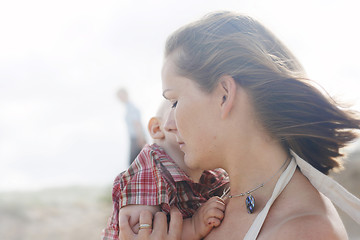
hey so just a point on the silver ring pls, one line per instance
(145, 226)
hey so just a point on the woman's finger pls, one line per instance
(125, 231)
(160, 226)
(145, 224)
(175, 226)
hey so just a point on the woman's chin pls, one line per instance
(190, 162)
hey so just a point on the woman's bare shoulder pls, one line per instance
(309, 226)
(301, 212)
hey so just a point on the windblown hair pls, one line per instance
(287, 104)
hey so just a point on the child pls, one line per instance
(158, 178)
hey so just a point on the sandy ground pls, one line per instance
(58, 214)
(80, 213)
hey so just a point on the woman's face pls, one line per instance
(193, 118)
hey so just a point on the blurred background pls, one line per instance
(63, 137)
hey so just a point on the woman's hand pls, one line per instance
(160, 228)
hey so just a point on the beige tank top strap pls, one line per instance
(279, 187)
(342, 198)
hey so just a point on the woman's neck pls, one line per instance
(261, 163)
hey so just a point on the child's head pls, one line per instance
(167, 140)
(159, 135)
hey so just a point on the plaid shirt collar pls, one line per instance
(209, 178)
(169, 164)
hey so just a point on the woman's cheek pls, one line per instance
(179, 118)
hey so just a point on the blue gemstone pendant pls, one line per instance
(250, 203)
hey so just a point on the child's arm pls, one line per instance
(133, 211)
(208, 216)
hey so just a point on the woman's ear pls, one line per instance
(154, 127)
(228, 87)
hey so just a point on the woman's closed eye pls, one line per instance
(174, 104)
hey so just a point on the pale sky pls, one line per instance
(61, 63)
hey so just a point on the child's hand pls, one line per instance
(208, 216)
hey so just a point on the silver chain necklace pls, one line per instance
(250, 200)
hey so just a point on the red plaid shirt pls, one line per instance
(154, 179)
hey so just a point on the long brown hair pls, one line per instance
(287, 104)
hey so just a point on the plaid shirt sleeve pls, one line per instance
(216, 180)
(111, 232)
(141, 184)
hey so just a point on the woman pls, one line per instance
(241, 101)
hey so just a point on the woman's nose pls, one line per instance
(170, 124)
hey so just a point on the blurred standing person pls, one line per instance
(133, 123)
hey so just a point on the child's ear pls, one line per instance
(227, 87)
(155, 129)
